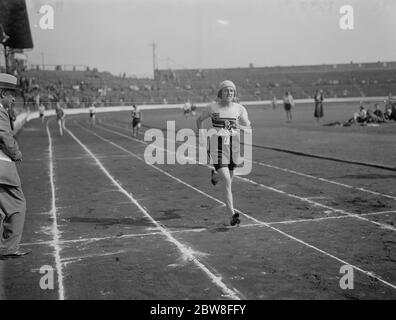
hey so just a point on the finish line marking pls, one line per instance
(132, 235)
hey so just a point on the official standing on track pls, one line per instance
(41, 110)
(318, 98)
(226, 116)
(12, 199)
(136, 120)
(60, 118)
(274, 103)
(288, 104)
(187, 108)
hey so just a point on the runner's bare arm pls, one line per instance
(204, 115)
(243, 118)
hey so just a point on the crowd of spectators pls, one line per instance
(79, 89)
(53, 93)
(366, 116)
(72, 90)
(371, 117)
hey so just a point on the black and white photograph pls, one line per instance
(195, 155)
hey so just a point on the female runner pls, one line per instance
(227, 115)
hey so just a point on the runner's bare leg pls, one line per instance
(226, 177)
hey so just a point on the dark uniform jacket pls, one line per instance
(9, 146)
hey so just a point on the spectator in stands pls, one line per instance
(378, 112)
(12, 199)
(274, 103)
(288, 103)
(393, 112)
(37, 99)
(389, 103)
(388, 112)
(318, 98)
(372, 118)
(193, 110)
(361, 116)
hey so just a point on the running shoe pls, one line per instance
(235, 219)
(16, 254)
(215, 177)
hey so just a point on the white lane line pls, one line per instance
(54, 227)
(187, 252)
(369, 273)
(303, 199)
(328, 218)
(66, 261)
(317, 204)
(379, 212)
(306, 175)
(56, 159)
(87, 157)
(126, 236)
(324, 180)
(133, 235)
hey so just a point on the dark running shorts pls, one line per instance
(135, 122)
(230, 164)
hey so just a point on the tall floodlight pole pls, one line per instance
(42, 60)
(154, 59)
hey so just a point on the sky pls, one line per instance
(118, 35)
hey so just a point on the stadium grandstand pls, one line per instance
(80, 86)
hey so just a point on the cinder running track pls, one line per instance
(111, 226)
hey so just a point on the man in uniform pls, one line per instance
(12, 199)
